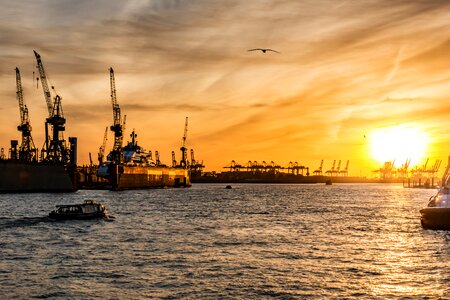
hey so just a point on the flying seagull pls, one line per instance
(263, 50)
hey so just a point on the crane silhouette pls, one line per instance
(264, 50)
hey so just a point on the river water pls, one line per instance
(253, 241)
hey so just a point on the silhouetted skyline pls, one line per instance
(347, 68)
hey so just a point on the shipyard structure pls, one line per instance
(52, 169)
(294, 172)
(131, 166)
(23, 168)
(420, 176)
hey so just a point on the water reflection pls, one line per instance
(252, 242)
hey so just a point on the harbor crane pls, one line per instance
(174, 161)
(157, 160)
(101, 151)
(196, 167)
(338, 169)
(345, 171)
(403, 170)
(318, 172)
(27, 150)
(193, 162)
(332, 171)
(183, 148)
(118, 126)
(54, 147)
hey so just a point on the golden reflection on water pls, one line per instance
(251, 242)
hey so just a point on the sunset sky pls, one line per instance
(347, 71)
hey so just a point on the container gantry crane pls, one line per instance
(183, 160)
(27, 150)
(318, 172)
(54, 148)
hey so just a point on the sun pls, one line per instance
(398, 143)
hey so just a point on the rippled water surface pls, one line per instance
(207, 242)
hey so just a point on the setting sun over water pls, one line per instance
(399, 143)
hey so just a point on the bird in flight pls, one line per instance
(264, 50)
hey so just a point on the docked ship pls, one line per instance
(131, 166)
(19, 176)
(23, 168)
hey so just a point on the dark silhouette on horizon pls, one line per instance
(264, 50)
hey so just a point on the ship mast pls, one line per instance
(54, 148)
(27, 150)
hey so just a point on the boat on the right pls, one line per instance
(436, 215)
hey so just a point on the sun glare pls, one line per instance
(398, 143)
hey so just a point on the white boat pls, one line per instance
(87, 210)
(437, 213)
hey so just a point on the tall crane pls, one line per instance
(101, 151)
(338, 170)
(193, 162)
(157, 160)
(183, 146)
(318, 172)
(345, 171)
(117, 127)
(27, 150)
(174, 161)
(55, 149)
(332, 170)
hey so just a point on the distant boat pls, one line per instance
(328, 182)
(437, 213)
(87, 210)
(228, 187)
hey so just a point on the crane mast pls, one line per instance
(54, 148)
(183, 148)
(27, 150)
(101, 151)
(117, 127)
(47, 95)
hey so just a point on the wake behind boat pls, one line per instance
(87, 210)
(437, 213)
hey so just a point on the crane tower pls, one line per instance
(54, 148)
(27, 150)
(101, 151)
(183, 146)
(117, 127)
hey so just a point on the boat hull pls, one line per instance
(437, 218)
(20, 177)
(91, 216)
(147, 177)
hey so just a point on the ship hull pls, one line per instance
(18, 177)
(437, 218)
(140, 177)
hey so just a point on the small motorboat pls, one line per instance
(437, 213)
(87, 210)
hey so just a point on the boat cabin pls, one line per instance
(88, 209)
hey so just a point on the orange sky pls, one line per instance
(346, 68)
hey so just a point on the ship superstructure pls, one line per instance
(131, 166)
